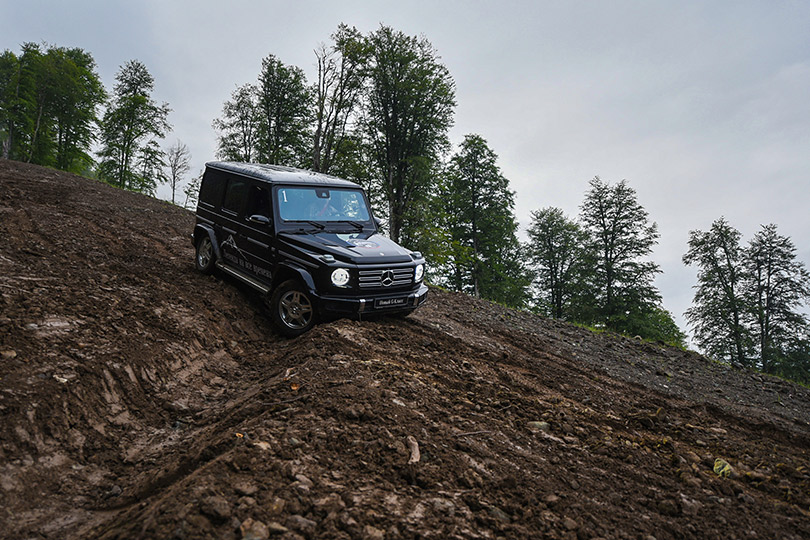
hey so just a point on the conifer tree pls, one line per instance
(720, 313)
(779, 285)
(133, 123)
(621, 237)
(479, 209)
(558, 250)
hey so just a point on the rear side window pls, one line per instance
(235, 195)
(212, 187)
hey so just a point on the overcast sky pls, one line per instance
(703, 107)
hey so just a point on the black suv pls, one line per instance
(305, 240)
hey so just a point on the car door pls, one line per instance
(231, 241)
(257, 230)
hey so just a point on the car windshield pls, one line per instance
(322, 204)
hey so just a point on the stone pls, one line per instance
(295, 443)
(246, 488)
(330, 503)
(570, 524)
(254, 530)
(276, 528)
(551, 499)
(276, 507)
(497, 513)
(9, 355)
(304, 480)
(216, 507)
(373, 533)
(301, 524)
(545, 427)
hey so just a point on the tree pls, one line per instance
(337, 94)
(74, 108)
(285, 109)
(720, 315)
(479, 209)
(408, 110)
(178, 160)
(620, 236)
(192, 191)
(16, 89)
(778, 286)
(558, 252)
(239, 125)
(132, 124)
(48, 101)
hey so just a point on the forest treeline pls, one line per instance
(379, 112)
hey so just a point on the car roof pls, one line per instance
(276, 174)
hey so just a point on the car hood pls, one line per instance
(357, 248)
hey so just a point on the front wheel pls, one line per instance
(205, 258)
(292, 308)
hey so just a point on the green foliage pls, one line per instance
(337, 93)
(558, 252)
(746, 308)
(48, 101)
(719, 315)
(239, 126)
(793, 360)
(619, 236)
(484, 256)
(192, 192)
(133, 123)
(593, 272)
(285, 110)
(408, 110)
(777, 286)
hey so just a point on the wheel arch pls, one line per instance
(200, 230)
(287, 271)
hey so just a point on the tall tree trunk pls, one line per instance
(34, 137)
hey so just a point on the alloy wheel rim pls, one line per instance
(295, 310)
(204, 256)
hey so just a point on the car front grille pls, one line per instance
(385, 278)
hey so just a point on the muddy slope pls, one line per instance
(140, 399)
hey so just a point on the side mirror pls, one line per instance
(259, 219)
(378, 222)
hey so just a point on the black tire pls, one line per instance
(292, 309)
(204, 258)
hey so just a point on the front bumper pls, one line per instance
(373, 303)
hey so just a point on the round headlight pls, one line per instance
(419, 272)
(340, 277)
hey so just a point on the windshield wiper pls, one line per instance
(319, 226)
(356, 224)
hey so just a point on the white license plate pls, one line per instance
(390, 302)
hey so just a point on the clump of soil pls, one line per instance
(141, 399)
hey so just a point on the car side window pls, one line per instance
(213, 184)
(258, 202)
(235, 195)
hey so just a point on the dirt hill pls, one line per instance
(141, 399)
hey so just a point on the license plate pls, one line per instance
(390, 302)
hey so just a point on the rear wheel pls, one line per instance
(292, 308)
(205, 257)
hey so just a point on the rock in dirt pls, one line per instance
(254, 530)
(373, 533)
(216, 507)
